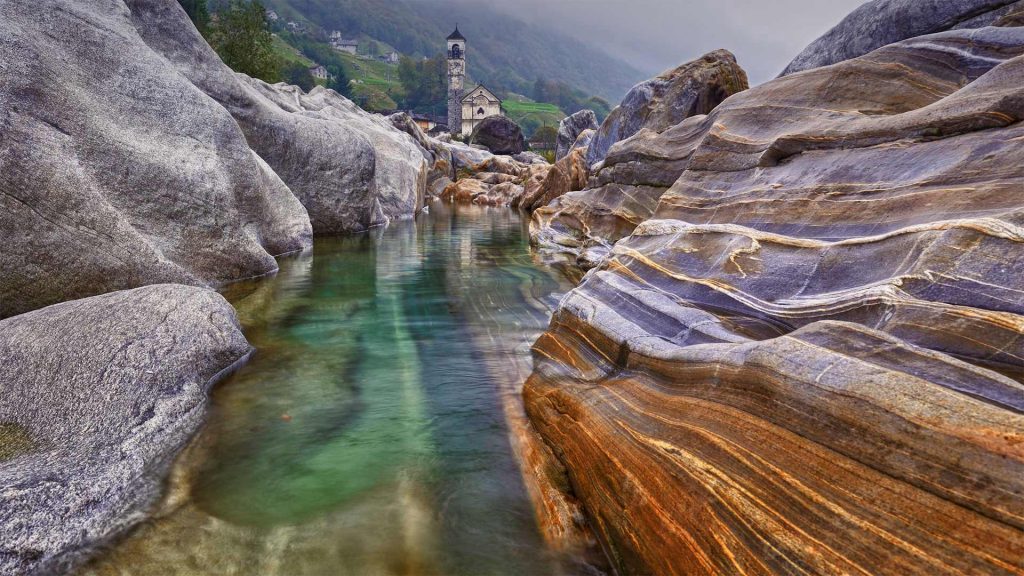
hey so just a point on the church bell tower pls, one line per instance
(456, 80)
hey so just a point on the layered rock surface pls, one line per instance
(662, 102)
(641, 149)
(810, 359)
(882, 22)
(98, 396)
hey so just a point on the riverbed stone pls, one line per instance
(102, 393)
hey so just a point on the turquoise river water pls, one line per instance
(369, 434)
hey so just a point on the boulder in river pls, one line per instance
(98, 397)
(820, 329)
(500, 135)
(569, 130)
(657, 104)
(116, 171)
(320, 144)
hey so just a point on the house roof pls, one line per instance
(486, 90)
(456, 35)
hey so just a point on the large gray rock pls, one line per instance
(96, 398)
(328, 160)
(662, 102)
(115, 171)
(400, 165)
(569, 130)
(882, 22)
(500, 135)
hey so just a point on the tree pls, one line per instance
(197, 12)
(300, 76)
(241, 36)
(425, 81)
(339, 81)
(545, 136)
(373, 49)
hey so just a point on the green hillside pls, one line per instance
(374, 84)
(532, 115)
(505, 54)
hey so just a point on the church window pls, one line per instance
(480, 111)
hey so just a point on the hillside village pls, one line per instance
(380, 78)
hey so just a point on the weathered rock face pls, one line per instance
(497, 181)
(569, 130)
(500, 135)
(439, 155)
(116, 172)
(881, 22)
(624, 192)
(98, 396)
(322, 147)
(662, 102)
(568, 174)
(400, 168)
(811, 359)
(645, 156)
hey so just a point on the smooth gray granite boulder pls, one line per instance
(97, 396)
(882, 22)
(662, 102)
(569, 130)
(400, 165)
(328, 158)
(115, 171)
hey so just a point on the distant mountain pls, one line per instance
(505, 53)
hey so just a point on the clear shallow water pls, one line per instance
(369, 434)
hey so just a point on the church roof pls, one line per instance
(456, 35)
(481, 89)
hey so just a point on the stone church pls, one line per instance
(466, 109)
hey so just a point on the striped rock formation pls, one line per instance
(810, 359)
(636, 155)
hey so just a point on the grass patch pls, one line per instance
(532, 115)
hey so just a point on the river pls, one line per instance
(375, 429)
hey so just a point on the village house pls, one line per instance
(319, 72)
(346, 46)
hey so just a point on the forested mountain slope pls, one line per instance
(505, 53)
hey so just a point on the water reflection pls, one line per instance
(368, 435)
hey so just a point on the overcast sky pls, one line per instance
(656, 35)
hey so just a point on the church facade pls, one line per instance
(478, 104)
(465, 109)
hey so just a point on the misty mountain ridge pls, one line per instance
(505, 53)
